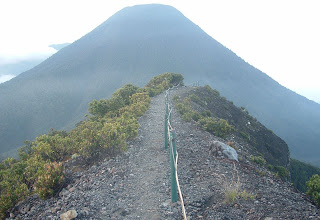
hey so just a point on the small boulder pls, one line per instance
(228, 151)
(71, 214)
(74, 156)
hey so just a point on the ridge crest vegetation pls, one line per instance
(112, 122)
(217, 115)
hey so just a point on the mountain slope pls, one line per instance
(246, 130)
(132, 46)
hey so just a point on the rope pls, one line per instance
(169, 124)
(178, 185)
(175, 161)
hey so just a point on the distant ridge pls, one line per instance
(132, 46)
(59, 46)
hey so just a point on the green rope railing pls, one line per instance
(170, 140)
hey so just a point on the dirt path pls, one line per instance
(148, 167)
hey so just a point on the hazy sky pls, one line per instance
(281, 38)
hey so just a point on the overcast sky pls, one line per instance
(281, 38)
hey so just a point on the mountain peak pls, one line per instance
(132, 46)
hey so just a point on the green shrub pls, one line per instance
(246, 196)
(203, 121)
(182, 108)
(258, 160)
(270, 167)
(195, 99)
(176, 98)
(124, 93)
(219, 127)
(26, 151)
(87, 138)
(163, 82)
(231, 195)
(232, 192)
(139, 104)
(206, 113)
(279, 171)
(211, 91)
(313, 186)
(54, 147)
(244, 135)
(282, 171)
(187, 116)
(12, 189)
(195, 116)
(118, 100)
(49, 178)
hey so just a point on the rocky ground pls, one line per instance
(207, 176)
(136, 184)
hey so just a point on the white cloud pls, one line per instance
(312, 93)
(7, 77)
(9, 55)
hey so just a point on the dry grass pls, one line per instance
(233, 190)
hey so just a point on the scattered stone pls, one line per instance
(64, 192)
(25, 209)
(74, 156)
(71, 214)
(55, 209)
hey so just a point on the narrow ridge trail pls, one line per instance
(148, 166)
(136, 184)
(133, 185)
(145, 171)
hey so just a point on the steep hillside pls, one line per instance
(301, 173)
(245, 129)
(132, 46)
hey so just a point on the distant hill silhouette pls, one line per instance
(132, 46)
(26, 63)
(59, 46)
(19, 67)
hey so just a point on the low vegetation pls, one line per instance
(313, 186)
(232, 194)
(204, 119)
(233, 191)
(279, 171)
(112, 123)
(301, 173)
(258, 160)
